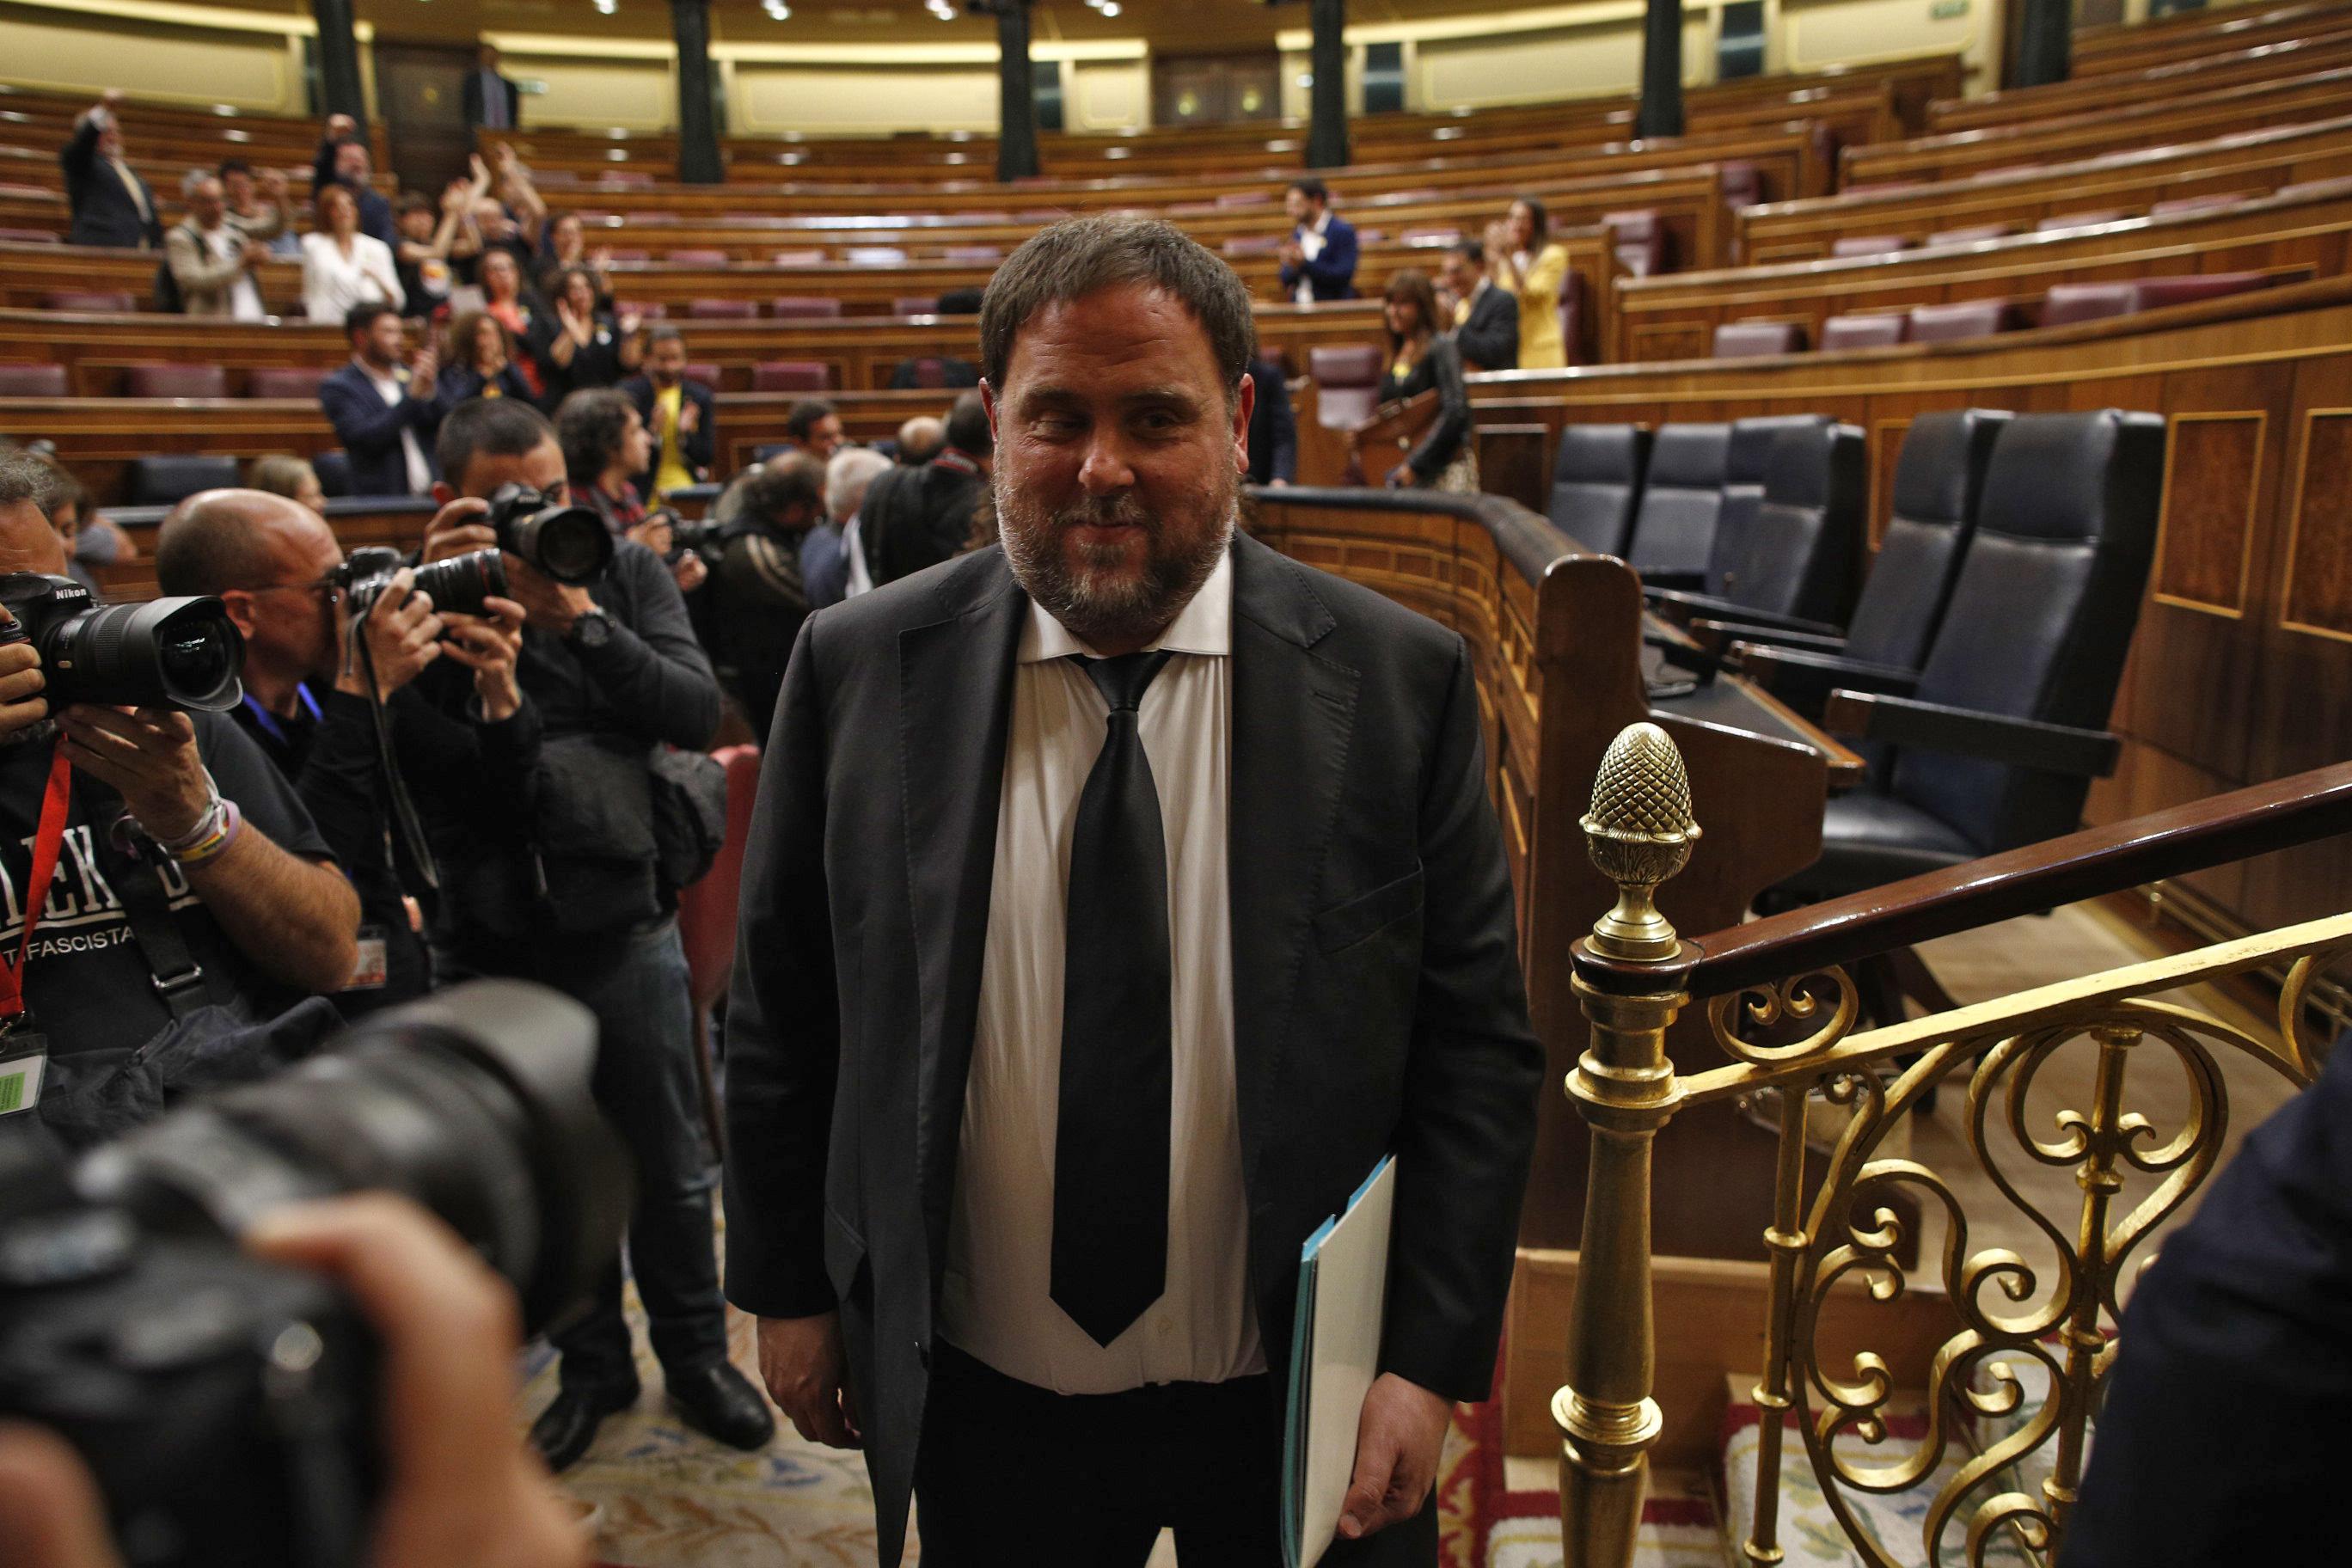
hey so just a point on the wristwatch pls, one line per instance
(592, 628)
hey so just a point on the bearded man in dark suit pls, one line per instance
(1116, 898)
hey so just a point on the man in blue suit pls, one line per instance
(1318, 261)
(385, 413)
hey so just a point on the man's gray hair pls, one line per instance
(846, 477)
(191, 179)
(1083, 256)
(28, 475)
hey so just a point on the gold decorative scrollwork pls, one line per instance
(2301, 1049)
(2012, 1312)
(1774, 1007)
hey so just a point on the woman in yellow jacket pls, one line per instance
(1525, 263)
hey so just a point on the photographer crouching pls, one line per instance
(177, 901)
(582, 896)
(333, 653)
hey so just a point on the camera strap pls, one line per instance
(177, 978)
(48, 839)
(404, 809)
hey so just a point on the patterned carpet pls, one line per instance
(669, 1497)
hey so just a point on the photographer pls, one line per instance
(581, 895)
(308, 704)
(460, 1491)
(605, 442)
(241, 880)
(757, 599)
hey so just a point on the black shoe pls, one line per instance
(567, 1426)
(719, 1402)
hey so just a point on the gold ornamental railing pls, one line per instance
(2032, 1343)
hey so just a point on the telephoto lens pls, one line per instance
(569, 543)
(458, 584)
(173, 653)
(230, 1407)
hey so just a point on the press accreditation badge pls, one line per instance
(368, 973)
(24, 1062)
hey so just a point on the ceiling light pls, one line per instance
(1110, 8)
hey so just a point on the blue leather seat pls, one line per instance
(1596, 484)
(1938, 483)
(1681, 497)
(2003, 729)
(169, 479)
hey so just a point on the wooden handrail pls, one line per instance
(2280, 815)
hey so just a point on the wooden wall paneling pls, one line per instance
(2304, 699)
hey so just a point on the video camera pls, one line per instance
(173, 653)
(229, 1406)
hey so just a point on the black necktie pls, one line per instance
(1110, 1146)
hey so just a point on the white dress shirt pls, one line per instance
(392, 388)
(332, 282)
(1311, 241)
(227, 243)
(996, 1304)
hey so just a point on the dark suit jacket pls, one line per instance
(1378, 1003)
(700, 443)
(472, 97)
(1333, 273)
(2222, 1439)
(104, 211)
(369, 429)
(375, 210)
(1274, 429)
(914, 518)
(1489, 339)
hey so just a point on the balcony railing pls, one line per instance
(1779, 1001)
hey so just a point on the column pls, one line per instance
(1016, 116)
(2045, 43)
(1326, 133)
(1661, 113)
(699, 162)
(339, 61)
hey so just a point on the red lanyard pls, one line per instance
(48, 839)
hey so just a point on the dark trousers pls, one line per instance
(636, 986)
(1010, 1472)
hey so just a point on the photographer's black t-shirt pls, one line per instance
(85, 980)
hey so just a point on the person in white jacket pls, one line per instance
(342, 267)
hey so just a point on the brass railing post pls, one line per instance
(1628, 979)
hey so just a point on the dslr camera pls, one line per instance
(569, 543)
(228, 1406)
(458, 586)
(166, 653)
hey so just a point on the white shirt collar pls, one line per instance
(1204, 625)
(394, 376)
(1322, 222)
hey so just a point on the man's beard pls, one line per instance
(1096, 607)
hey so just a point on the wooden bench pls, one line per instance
(2023, 105)
(1675, 316)
(2254, 163)
(2173, 119)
